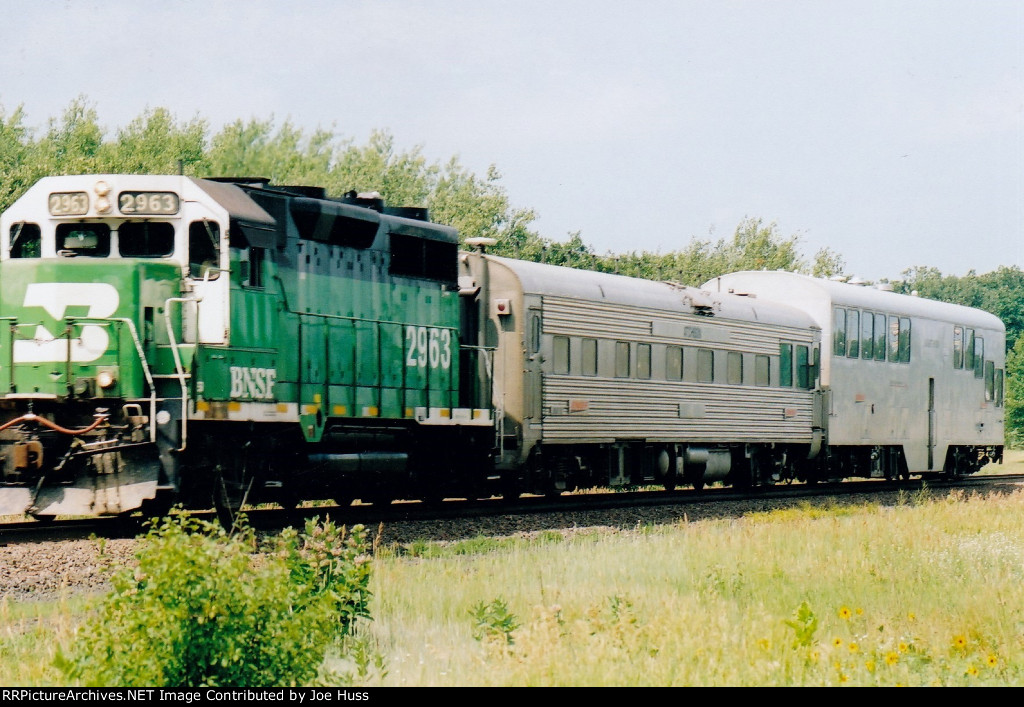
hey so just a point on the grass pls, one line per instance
(924, 593)
(1013, 463)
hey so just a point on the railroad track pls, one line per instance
(27, 530)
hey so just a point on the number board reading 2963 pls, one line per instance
(160, 203)
(75, 203)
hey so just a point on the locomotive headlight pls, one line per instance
(81, 387)
(105, 379)
(101, 188)
(102, 205)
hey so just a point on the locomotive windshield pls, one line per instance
(146, 239)
(85, 239)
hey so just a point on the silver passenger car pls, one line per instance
(601, 379)
(911, 385)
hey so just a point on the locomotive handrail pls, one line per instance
(369, 321)
(498, 407)
(146, 372)
(178, 368)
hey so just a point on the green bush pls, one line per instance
(204, 609)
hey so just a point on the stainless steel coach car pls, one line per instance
(605, 380)
(910, 384)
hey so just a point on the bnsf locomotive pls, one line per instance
(171, 339)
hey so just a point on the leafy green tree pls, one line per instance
(403, 178)
(153, 143)
(1000, 292)
(72, 144)
(16, 174)
(480, 208)
(283, 155)
(754, 245)
(827, 263)
(1014, 397)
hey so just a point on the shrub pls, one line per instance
(202, 609)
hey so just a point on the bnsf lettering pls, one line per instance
(254, 383)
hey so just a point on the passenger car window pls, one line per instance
(622, 359)
(643, 360)
(734, 368)
(803, 367)
(904, 343)
(867, 336)
(839, 332)
(674, 363)
(879, 337)
(853, 333)
(762, 370)
(786, 365)
(589, 357)
(561, 354)
(705, 366)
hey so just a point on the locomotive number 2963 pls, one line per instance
(428, 346)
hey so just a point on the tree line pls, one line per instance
(156, 142)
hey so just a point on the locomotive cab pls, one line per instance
(107, 283)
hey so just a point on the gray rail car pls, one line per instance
(911, 385)
(604, 380)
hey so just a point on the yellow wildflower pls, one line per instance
(903, 647)
(854, 647)
(837, 641)
(860, 611)
(972, 671)
(992, 660)
(959, 641)
(844, 613)
(870, 665)
(892, 658)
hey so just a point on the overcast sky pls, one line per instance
(890, 131)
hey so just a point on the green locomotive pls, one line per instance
(170, 338)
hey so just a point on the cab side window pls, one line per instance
(204, 250)
(26, 240)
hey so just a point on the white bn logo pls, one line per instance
(55, 297)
